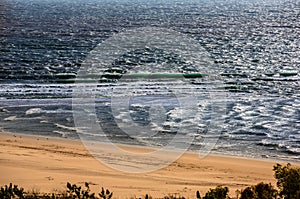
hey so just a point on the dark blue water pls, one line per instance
(253, 44)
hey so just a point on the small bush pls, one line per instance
(259, 191)
(218, 193)
(105, 194)
(288, 180)
(8, 192)
(75, 191)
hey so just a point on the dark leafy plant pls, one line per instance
(247, 193)
(198, 195)
(259, 191)
(288, 180)
(174, 196)
(105, 194)
(75, 191)
(11, 191)
(218, 193)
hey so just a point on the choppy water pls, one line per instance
(254, 46)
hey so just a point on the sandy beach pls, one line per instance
(47, 164)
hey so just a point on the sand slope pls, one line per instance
(46, 164)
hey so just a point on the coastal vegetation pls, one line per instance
(287, 176)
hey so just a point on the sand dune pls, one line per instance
(46, 164)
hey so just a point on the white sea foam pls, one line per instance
(65, 127)
(34, 111)
(11, 118)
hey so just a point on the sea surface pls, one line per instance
(252, 111)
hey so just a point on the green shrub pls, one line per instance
(259, 191)
(218, 193)
(105, 194)
(288, 180)
(75, 191)
(8, 192)
(247, 193)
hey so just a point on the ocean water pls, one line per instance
(254, 51)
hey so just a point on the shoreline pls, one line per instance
(150, 148)
(47, 164)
